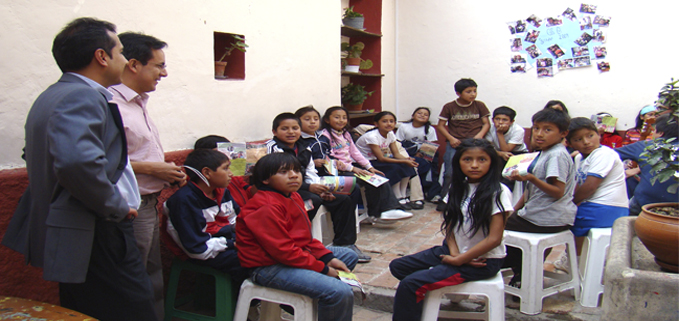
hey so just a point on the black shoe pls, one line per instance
(362, 258)
(441, 206)
(405, 204)
(417, 205)
(515, 281)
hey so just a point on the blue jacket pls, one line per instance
(645, 193)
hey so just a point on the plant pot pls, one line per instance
(354, 22)
(660, 234)
(354, 107)
(352, 64)
(220, 66)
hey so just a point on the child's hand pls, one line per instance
(319, 162)
(450, 260)
(327, 196)
(318, 189)
(502, 129)
(411, 162)
(360, 171)
(332, 273)
(454, 142)
(375, 171)
(339, 265)
(477, 263)
(515, 176)
(505, 155)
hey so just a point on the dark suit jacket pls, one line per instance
(75, 152)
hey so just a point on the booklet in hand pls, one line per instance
(339, 184)
(237, 155)
(351, 279)
(374, 180)
(427, 150)
(524, 163)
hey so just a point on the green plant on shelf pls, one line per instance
(350, 13)
(239, 45)
(354, 94)
(355, 51)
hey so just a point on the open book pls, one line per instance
(523, 163)
(607, 122)
(243, 155)
(339, 184)
(351, 279)
(374, 180)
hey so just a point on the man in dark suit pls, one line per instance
(73, 221)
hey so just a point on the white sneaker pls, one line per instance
(394, 215)
(562, 263)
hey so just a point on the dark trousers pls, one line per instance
(422, 272)
(342, 211)
(516, 223)
(227, 262)
(117, 286)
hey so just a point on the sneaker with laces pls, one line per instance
(362, 258)
(395, 215)
(417, 205)
(563, 264)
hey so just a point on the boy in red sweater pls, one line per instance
(273, 233)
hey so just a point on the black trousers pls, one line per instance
(342, 211)
(516, 223)
(117, 286)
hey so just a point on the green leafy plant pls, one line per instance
(350, 13)
(663, 155)
(239, 45)
(355, 51)
(354, 94)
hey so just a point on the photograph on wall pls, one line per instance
(580, 51)
(565, 64)
(516, 45)
(569, 14)
(520, 67)
(518, 58)
(584, 39)
(602, 21)
(533, 51)
(603, 66)
(545, 72)
(535, 21)
(587, 8)
(544, 62)
(599, 52)
(518, 26)
(586, 23)
(598, 35)
(581, 62)
(532, 36)
(556, 51)
(551, 22)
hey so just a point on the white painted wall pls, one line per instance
(440, 42)
(293, 60)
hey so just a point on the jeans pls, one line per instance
(335, 298)
(448, 169)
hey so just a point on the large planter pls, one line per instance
(354, 22)
(660, 235)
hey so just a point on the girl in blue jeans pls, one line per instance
(473, 223)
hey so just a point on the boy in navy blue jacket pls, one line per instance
(202, 214)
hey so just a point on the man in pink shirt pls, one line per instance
(145, 68)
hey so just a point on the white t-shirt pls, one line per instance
(514, 135)
(465, 241)
(415, 134)
(605, 163)
(373, 137)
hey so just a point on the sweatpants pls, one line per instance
(423, 271)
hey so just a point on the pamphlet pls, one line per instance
(236, 152)
(374, 180)
(339, 184)
(333, 166)
(351, 279)
(607, 122)
(523, 163)
(255, 151)
(427, 150)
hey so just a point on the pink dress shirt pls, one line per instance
(143, 141)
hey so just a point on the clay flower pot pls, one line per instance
(660, 235)
(220, 66)
(353, 64)
(354, 107)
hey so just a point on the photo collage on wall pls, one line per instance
(572, 39)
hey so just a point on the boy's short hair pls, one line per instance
(269, 165)
(578, 123)
(284, 116)
(667, 126)
(504, 110)
(210, 141)
(463, 84)
(201, 158)
(558, 118)
(556, 102)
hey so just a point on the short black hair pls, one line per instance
(210, 141)
(284, 116)
(667, 126)
(306, 109)
(554, 103)
(73, 48)
(463, 84)
(140, 46)
(201, 158)
(270, 164)
(578, 123)
(558, 118)
(504, 110)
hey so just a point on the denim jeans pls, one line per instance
(448, 169)
(335, 298)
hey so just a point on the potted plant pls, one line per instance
(220, 65)
(352, 18)
(351, 60)
(658, 224)
(353, 96)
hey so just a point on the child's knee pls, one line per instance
(395, 267)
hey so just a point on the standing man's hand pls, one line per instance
(131, 214)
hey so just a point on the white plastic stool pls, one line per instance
(306, 309)
(593, 257)
(320, 222)
(492, 289)
(532, 290)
